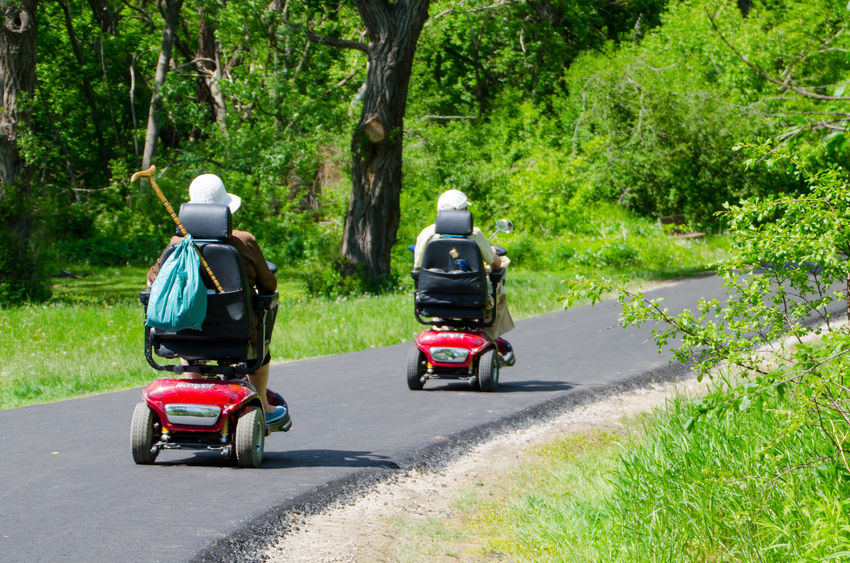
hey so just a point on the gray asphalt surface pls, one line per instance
(71, 491)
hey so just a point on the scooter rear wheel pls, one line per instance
(415, 368)
(488, 371)
(250, 437)
(142, 435)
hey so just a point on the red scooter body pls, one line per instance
(462, 354)
(227, 397)
(202, 414)
(456, 350)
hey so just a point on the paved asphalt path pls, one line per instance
(71, 491)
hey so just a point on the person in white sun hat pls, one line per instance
(457, 200)
(208, 188)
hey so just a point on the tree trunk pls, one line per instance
(208, 64)
(373, 214)
(87, 88)
(22, 274)
(172, 13)
(17, 79)
(105, 16)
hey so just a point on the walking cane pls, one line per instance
(149, 175)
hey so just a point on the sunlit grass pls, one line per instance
(62, 350)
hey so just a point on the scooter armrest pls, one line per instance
(415, 275)
(496, 275)
(266, 302)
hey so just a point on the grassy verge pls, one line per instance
(89, 337)
(727, 489)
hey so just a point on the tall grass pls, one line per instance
(89, 338)
(727, 489)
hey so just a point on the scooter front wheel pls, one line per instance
(142, 435)
(250, 437)
(415, 368)
(488, 371)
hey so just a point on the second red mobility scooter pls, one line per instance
(456, 295)
(213, 407)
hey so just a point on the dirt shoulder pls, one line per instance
(365, 529)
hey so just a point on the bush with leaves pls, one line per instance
(22, 271)
(787, 267)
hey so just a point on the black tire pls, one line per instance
(415, 368)
(250, 437)
(488, 371)
(142, 435)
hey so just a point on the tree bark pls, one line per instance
(87, 88)
(172, 14)
(17, 76)
(106, 17)
(373, 214)
(21, 258)
(208, 64)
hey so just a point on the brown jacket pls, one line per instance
(259, 276)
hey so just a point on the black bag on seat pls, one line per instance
(452, 281)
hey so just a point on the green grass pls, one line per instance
(726, 490)
(89, 337)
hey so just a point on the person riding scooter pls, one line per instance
(456, 200)
(209, 188)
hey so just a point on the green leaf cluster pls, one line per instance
(775, 333)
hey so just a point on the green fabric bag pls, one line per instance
(178, 296)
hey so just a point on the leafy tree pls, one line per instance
(471, 52)
(787, 266)
(789, 253)
(21, 269)
(17, 57)
(169, 30)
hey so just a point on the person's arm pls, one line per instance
(490, 258)
(154, 270)
(421, 241)
(265, 281)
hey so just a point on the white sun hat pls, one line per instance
(452, 200)
(208, 188)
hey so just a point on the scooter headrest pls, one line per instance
(206, 221)
(451, 222)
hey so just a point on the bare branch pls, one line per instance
(339, 43)
(430, 116)
(784, 84)
(456, 9)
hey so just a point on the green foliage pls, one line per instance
(469, 53)
(22, 265)
(572, 104)
(279, 138)
(664, 115)
(787, 265)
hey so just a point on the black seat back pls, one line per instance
(452, 281)
(230, 321)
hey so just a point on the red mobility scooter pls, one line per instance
(454, 297)
(213, 407)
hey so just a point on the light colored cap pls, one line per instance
(208, 188)
(452, 200)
